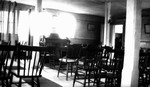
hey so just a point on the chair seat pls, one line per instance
(112, 75)
(90, 69)
(67, 60)
(48, 54)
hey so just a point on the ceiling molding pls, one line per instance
(92, 7)
(4, 5)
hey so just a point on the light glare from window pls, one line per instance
(63, 24)
(66, 26)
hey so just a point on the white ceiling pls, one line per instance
(93, 7)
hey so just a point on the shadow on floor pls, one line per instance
(48, 83)
(43, 83)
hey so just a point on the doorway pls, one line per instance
(118, 36)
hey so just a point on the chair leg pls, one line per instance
(3, 83)
(7, 83)
(38, 82)
(95, 78)
(97, 81)
(106, 82)
(20, 80)
(84, 84)
(112, 81)
(71, 68)
(118, 81)
(74, 80)
(67, 68)
(52, 61)
(11, 79)
(89, 78)
(59, 68)
(32, 82)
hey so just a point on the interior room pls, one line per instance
(122, 25)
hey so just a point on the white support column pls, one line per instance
(38, 9)
(36, 35)
(107, 25)
(113, 37)
(39, 5)
(130, 71)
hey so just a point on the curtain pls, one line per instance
(14, 23)
(24, 27)
(9, 22)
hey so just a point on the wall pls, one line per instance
(145, 37)
(88, 29)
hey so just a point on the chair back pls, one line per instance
(2, 42)
(30, 60)
(113, 62)
(106, 56)
(73, 51)
(116, 64)
(143, 60)
(119, 57)
(6, 60)
(90, 56)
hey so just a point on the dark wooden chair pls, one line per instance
(86, 68)
(29, 62)
(69, 60)
(114, 71)
(144, 68)
(50, 55)
(6, 60)
(110, 68)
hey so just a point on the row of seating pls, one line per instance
(21, 61)
(144, 67)
(92, 64)
(97, 65)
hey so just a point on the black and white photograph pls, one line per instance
(74, 43)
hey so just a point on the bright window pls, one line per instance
(118, 28)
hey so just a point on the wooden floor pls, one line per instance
(51, 76)
(49, 79)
